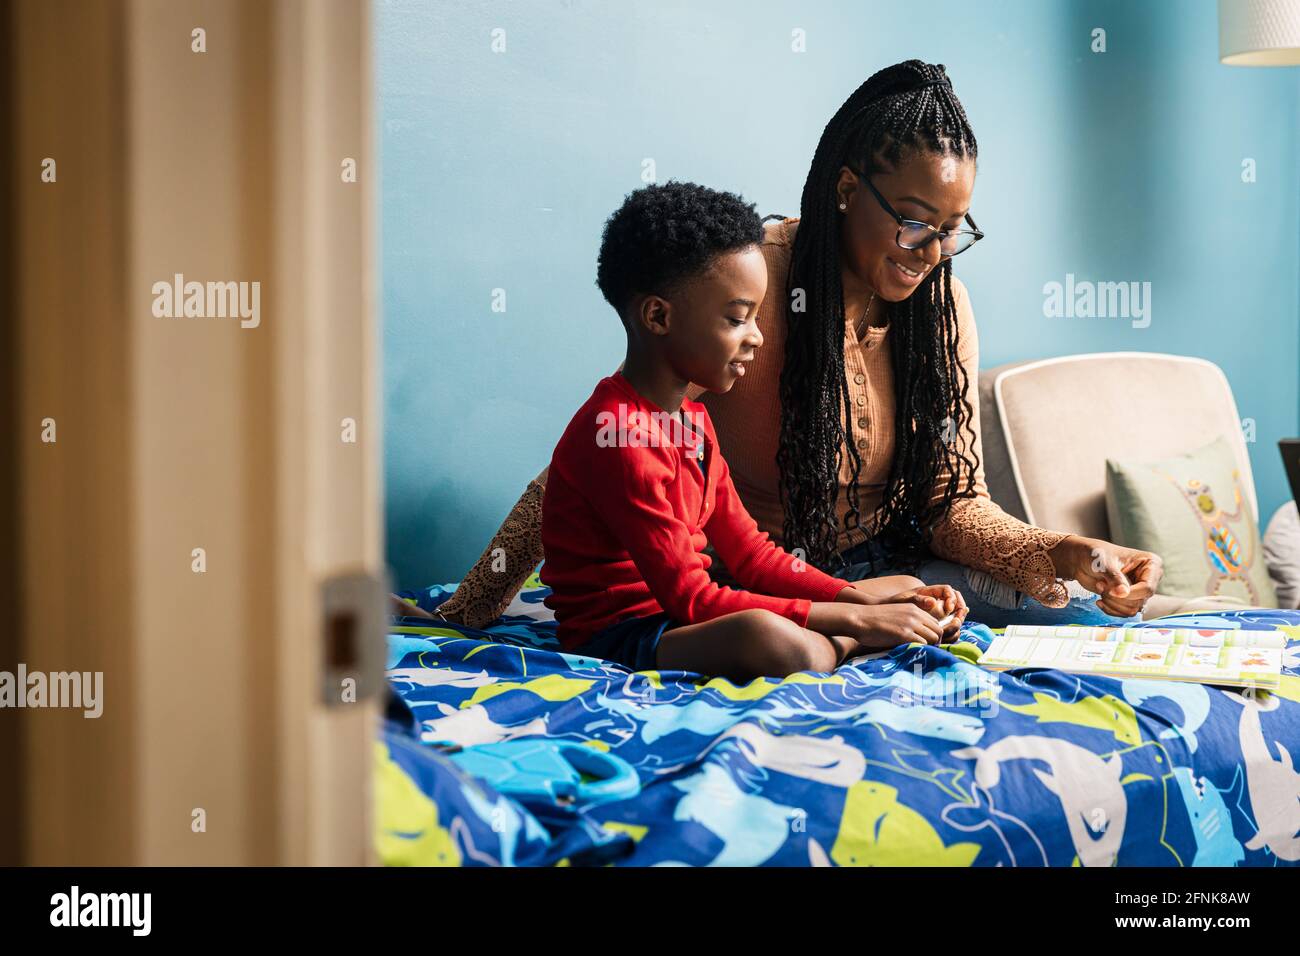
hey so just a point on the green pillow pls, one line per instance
(1192, 511)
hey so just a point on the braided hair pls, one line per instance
(909, 106)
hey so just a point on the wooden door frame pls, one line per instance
(174, 434)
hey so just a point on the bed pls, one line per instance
(915, 756)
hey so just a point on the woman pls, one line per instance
(862, 401)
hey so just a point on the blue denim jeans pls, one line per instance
(990, 601)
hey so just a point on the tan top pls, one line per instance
(975, 533)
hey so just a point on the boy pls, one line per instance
(637, 485)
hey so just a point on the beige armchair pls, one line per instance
(1048, 426)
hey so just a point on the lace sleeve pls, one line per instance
(976, 532)
(510, 557)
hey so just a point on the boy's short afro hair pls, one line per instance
(664, 234)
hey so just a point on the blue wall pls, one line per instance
(498, 170)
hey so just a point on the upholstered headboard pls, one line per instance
(1048, 426)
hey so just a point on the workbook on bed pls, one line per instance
(1236, 658)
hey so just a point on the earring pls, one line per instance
(843, 206)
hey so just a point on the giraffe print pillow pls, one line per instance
(1191, 510)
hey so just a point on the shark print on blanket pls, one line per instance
(1210, 819)
(751, 827)
(955, 726)
(877, 830)
(1089, 789)
(915, 754)
(1273, 783)
(1192, 699)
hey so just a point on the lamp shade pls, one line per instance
(1259, 32)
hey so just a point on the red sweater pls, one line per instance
(627, 513)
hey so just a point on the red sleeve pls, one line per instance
(751, 556)
(628, 489)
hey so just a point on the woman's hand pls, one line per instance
(939, 600)
(399, 608)
(1124, 577)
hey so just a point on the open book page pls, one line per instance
(1231, 657)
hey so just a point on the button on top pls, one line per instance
(859, 378)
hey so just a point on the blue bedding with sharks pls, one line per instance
(915, 756)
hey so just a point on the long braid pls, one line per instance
(908, 106)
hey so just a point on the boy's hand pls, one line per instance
(875, 627)
(940, 600)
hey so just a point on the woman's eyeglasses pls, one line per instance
(913, 234)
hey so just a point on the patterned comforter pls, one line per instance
(915, 756)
